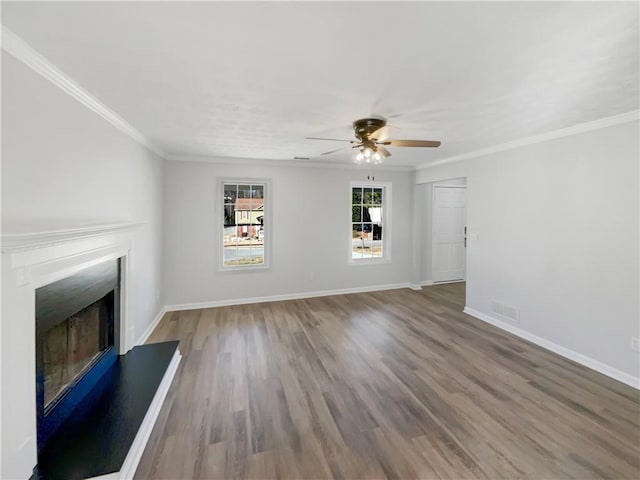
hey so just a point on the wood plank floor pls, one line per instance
(396, 384)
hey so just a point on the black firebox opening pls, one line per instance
(77, 331)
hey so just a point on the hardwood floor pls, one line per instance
(396, 384)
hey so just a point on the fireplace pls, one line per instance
(77, 331)
(43, 270)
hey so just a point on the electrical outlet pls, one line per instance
(635, 344)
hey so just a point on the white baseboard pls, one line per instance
(560, 350)
(445, 282)
(277, 298)
(426, 283)
(415, 286)
(147, 333)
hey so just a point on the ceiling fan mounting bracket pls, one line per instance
(364, 127)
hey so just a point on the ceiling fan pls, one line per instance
(372, 139)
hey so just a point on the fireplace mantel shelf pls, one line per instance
(30, 237)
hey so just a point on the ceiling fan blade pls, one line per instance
(381, 134)
(334, 151)
(330, 139)
(412, 143)
(385, 153)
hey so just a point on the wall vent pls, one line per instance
(507, 311)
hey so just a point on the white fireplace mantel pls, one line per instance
(31, 259)
(27, 238)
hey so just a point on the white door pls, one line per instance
(449, 218)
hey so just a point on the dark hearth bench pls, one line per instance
(109, 436)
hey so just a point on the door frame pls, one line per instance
(433, 233)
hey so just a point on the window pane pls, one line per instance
(230, 236)
(230, 193)
(230, 248)
(377, 196)
(260, 240)
(356, 214)
(377, 231)
(376, 240)
(356, 241)
(229, 255)
(229, 215)
(257, 197)
(356, 196)
(366, 216)
(367, 247)
(368, 196)
(362, 241)
(244, 191)
(256, 252)
(257, 191)
(374, 214)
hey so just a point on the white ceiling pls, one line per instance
(253, 80)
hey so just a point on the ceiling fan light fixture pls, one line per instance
(368, 155)
(372, 138)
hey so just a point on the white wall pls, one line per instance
(64, 165)
(557, 225)
(310, 209)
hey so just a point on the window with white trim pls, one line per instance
(244, 243)
(370, 221)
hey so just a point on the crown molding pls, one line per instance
(21, 50)
(18, 48)
(258, 162)
(563, 132)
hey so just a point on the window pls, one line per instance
(370, 221)
(243, 232)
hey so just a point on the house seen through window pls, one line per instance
(243, 233)
(368, 221)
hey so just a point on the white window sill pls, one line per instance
(368, 261)
(247, 268)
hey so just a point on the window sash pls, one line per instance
(370, 231)
(245, 243)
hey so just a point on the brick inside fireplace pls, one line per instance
(73, 346)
